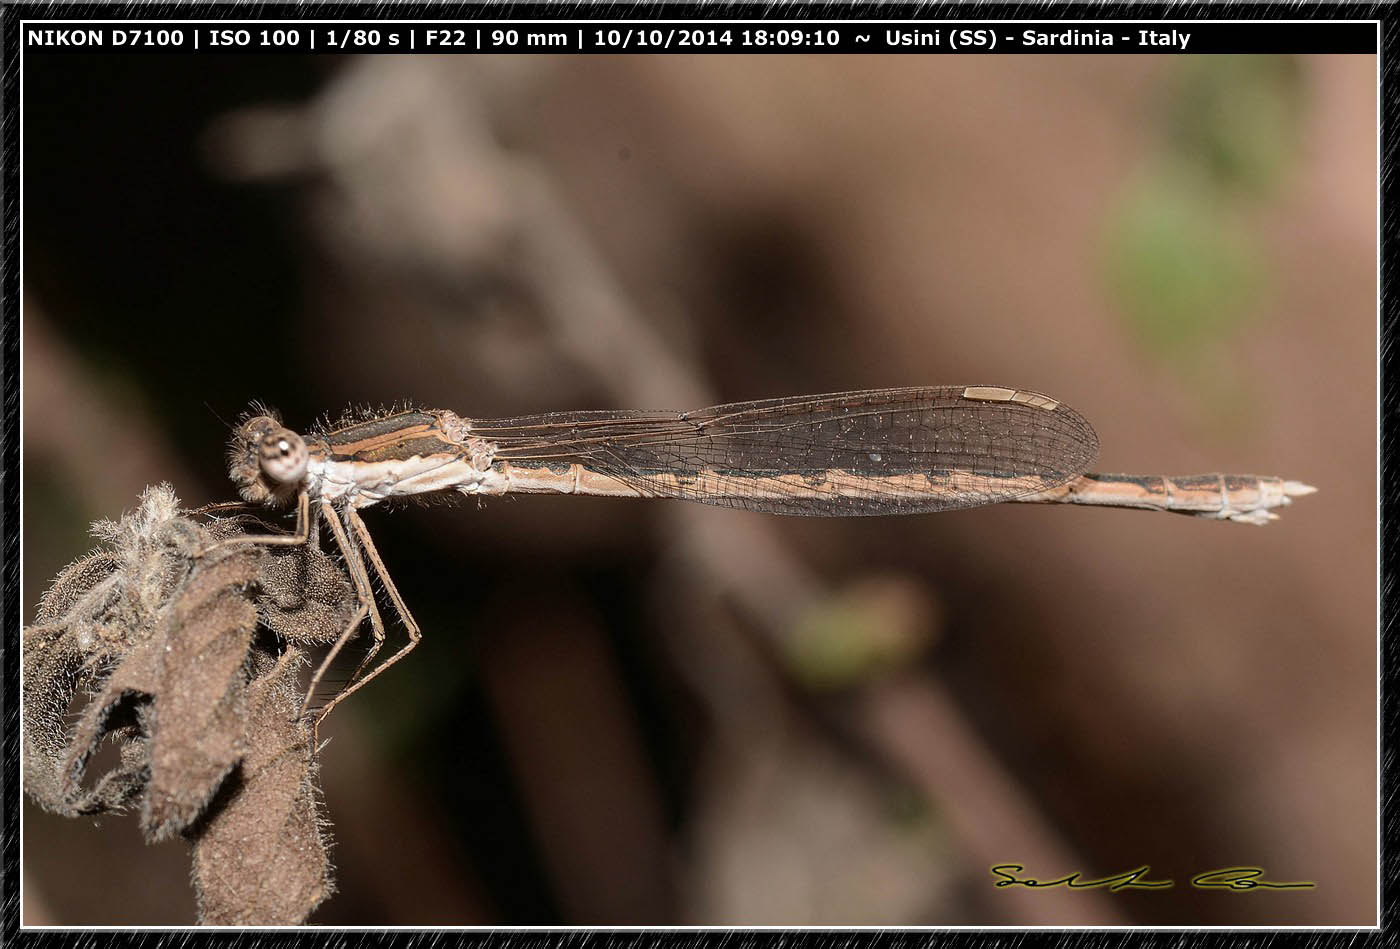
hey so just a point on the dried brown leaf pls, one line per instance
(201, 681)
(260, 857)
(161, 629)
(303, 595)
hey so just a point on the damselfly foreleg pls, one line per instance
(298, 536)
(355, 563)
(402, 608)
(415, 633)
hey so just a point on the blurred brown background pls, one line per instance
(629, 712)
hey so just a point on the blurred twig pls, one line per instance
(70, 419)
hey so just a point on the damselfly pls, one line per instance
(882, 451)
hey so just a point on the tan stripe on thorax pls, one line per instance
(385, 443)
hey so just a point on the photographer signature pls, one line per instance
(1226, 878)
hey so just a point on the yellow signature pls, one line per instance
(1238, 879)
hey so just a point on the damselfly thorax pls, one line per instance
(876, 452)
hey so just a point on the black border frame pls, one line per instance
(1389, 353)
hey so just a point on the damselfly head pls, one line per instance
(267, 461)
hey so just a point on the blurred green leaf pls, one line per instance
(1239, 118)
(1181, 275)
(876, 624)
(1181, 263)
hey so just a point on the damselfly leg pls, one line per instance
(355, 545)
(352, 549)
(415, 634)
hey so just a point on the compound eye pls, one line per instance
(283, 456)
